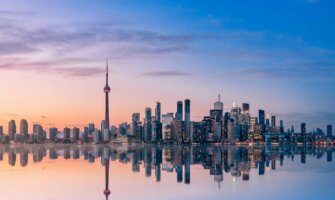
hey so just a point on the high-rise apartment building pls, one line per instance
(11, 130)
(187, 121)
(147, 125)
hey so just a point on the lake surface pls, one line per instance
(68, 172)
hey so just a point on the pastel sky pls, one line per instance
(275, 55)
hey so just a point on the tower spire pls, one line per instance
(107, 72)
(219, 97)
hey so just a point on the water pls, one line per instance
(61, 172)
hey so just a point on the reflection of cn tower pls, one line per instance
(107, 192)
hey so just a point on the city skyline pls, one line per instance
(236, 126)
(168, 99)
(272, 118)
(51, 59)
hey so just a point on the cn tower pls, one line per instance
(107, 89)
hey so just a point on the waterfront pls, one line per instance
(166, 172)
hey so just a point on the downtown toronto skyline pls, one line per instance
(236, 126)
(167, 99)
(52, 59)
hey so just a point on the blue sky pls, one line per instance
(276, 55)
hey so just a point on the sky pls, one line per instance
(275, 55)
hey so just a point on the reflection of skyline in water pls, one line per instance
(232, 160)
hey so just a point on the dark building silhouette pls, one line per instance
(329, 131)
(179, 113)
(273, 121)
(303, 132)
(187, 120)
(261, 116)
(245, 107)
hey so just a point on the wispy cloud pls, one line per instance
(79, 72)
(15, 13)
(216, 21)
(12, 114)
(320, 70)
(20, 45)
(165, 73)
(14, 48)
(51, 67)
(60, 49)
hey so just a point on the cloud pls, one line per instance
(75, 49)
(76, 37)
(165, 73)
(79, 72)
(51, 68)
(12, 13)
(44, 117)
(59, 48)
(12, 114)
(325, 74)
(15, 48)
(215, 21)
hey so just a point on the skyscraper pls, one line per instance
(329, 131)
(252, 123)
(53, 134)
(67, 134)
(281, 126)
(218, 105)
(267, 122)
(157, 124)
(226, 120)
(245, 107)
(1, 131)
(244, 119)
(91, 128)
(157, 130)
(261, 117)
(75, 134)
(273, 121)
(24, 128)
(38, 132)
(135, 121)
(216, 124)
(166, 125)
(179, 113)
(187, 120)
(107, 90)
(303, 128)
(303, 132)
(158, 112)
(147, 125)
(11, 130)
